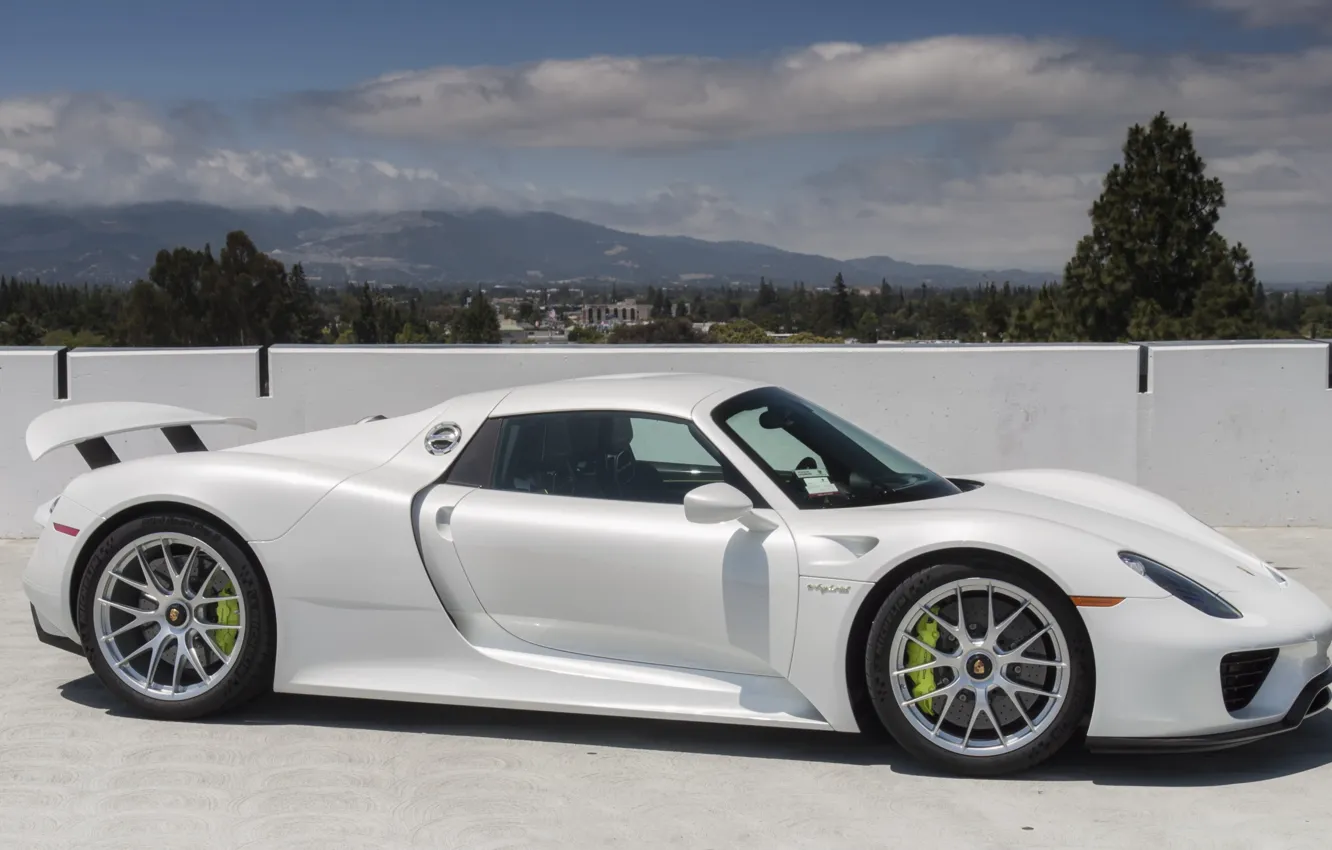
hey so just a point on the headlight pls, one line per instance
(1181, 587)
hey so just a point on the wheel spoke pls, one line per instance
(1028, 689)
(193, 654)
(158, 649)
(207, 582)
(148, 646)
(1039, 662)
(125, 608)
(938, 724)
(989, 607)
(1017, 703)
(933, 617)
(208, 600)
(908, 671)
(143, 619)
(944, 660)
(993, 637)
(178, 666)
(170, 564)
(971, 722)
(139, 586)
(212, 644)
(148, 574)
(1027, 644)
(932, 694)
(216, 626)
(960, 632)
(191, 561)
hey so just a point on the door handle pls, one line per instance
(443, 518)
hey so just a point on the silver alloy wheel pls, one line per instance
(996, 675)
(168, 616)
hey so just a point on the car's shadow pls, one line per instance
(1308, 748)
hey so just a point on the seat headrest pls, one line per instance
(556, 440)
(584, 436)
(621, 432)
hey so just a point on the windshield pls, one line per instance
(819, 459)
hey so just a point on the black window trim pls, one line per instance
(472, 458)
(728, 407)
(708, 445)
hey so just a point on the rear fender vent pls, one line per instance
(1242, 674)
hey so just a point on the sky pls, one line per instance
(966, 132)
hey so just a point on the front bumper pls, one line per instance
(1313, 699)
(1158, 667)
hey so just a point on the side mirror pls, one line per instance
(712, 504)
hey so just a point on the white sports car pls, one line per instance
(670, 546)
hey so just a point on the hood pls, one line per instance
(1129, 517)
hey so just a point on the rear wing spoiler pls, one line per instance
(86, 427)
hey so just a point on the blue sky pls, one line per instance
(965, 132)
(174, 49)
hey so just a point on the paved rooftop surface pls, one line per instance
(297, 772)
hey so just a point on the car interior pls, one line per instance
(591, 455)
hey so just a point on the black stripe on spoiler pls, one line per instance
(97, 452)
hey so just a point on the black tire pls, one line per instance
(1070, 712)
(250, 675)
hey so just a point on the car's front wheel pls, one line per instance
(979, 669)
(175, 618)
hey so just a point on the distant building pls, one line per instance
(512, 332)
(623, 312)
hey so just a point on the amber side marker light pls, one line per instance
(1096, 601)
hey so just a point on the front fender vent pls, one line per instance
(1242, 674)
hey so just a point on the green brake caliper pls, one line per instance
(228, 614)
(922, 681)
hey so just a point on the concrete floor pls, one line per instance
(75, 771)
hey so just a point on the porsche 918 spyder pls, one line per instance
(668, 546)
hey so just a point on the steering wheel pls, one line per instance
(622, 467)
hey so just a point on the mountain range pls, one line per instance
(117, 244)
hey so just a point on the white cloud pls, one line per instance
(82, 149)
(1026, 130)
(662, 102)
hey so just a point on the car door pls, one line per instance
(579, 543)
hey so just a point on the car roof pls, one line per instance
(663, 393)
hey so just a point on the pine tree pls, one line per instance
(1153, 247)
(477, 323)
(1224, 306)
(767, 294)
(300, 308)
(841, 307)
(365, 327)
(867, 329)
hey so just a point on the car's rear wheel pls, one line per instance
(979, 669)
(175, 618)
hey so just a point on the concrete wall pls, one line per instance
(1235, 432)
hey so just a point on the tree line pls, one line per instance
(1153, 267)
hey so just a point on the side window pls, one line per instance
(799, 470)
(608, 455)
(778, 447)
